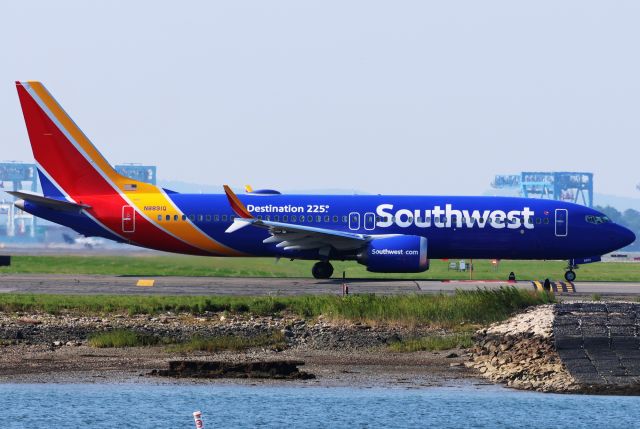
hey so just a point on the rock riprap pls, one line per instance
(586, 347)
(521, 353)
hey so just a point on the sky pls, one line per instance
(424, 97)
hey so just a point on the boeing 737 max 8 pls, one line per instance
(388, 234)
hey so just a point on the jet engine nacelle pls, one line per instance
(396, 254)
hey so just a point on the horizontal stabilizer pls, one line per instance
(47, 202)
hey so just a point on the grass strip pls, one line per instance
(180, 265)
(122, 338)
(479, 306)
(231, 342)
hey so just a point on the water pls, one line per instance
(171, 406)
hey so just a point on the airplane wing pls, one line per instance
(293, 236)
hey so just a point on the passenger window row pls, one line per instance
(332, 219)
(194, 218)
(274, 218)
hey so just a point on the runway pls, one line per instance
(254, 286)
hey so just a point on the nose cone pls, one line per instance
(623, 236)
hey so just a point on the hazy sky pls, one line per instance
(386, 97)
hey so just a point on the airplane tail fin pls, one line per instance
(69, 165)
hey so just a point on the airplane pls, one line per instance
(386, 233)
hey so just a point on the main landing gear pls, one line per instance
(322, 270)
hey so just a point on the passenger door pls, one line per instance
(562, 222)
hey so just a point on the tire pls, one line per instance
(322, 270)
(570, 275)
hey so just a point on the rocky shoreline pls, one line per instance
(521, 353)
(43, 347)
(576, 347)
(563, 348)
(61, 330)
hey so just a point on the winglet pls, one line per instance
(236, 204)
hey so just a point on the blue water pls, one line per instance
(171, 406)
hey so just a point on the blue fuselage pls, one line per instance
(455, 227)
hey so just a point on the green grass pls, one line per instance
(121, 338)
(480, 306)
(231, 342)
(434, 343)
(178, 265)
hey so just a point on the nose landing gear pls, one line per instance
(570, 275)
(322, 270)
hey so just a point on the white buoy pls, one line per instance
(197, 417)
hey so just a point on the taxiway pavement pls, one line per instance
(252, 286)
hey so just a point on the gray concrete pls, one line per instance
(89, 284)
(598, 343)
(126, 285)
(608, 288)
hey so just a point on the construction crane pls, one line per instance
(576, 187)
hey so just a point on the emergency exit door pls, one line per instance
(128, 219)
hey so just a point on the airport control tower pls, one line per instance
(575, 187)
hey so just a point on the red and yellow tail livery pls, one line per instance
(75, 170)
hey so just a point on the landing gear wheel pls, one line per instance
(570, 275)
(322, 270)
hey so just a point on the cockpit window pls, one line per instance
(597, 219)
